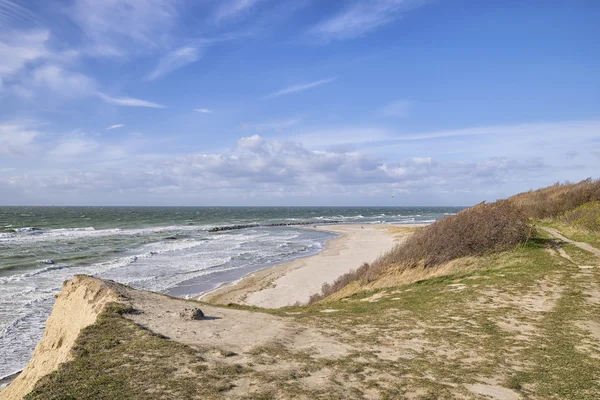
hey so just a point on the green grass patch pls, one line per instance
(117, 359)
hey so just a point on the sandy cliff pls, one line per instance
(77, 306)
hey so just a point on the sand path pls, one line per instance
(581, 245)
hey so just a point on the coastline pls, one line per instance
(295, 281)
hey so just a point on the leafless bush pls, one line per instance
(555, 200)
(339, 283)
(475, 231)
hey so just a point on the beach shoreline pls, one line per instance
(293, 282)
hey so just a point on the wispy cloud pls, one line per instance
(532, 129)
(14, 15)
(17, 50)
(203, 110)
(276, 125)
(73, 146)
(320, 138)
(175, 60)
(362, 17)
(116, 126)
(128, 101)
(63, 81)
(387, 137)
(16, 138)
(301, 87)
(398, 108)
(119, 28)
(234, 8)
(28, 64)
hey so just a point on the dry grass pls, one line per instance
(482, 229)
(555, 200)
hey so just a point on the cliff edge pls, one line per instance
(77, 306)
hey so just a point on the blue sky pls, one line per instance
(295, 102)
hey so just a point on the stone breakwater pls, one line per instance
(244, 226)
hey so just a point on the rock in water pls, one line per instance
(191, 313)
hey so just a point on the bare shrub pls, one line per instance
(555, 200)
(340, 283)
(475, 231)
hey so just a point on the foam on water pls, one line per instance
(28, 235)
(26, 298)
(170, 250)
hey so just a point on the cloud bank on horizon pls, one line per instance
(294, 102)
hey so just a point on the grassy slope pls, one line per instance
(516, 323)
(573, 232)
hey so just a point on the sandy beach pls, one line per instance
(295, 281)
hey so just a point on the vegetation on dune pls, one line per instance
(476, 231)
(485, 228)
(515, 326)
(522, 322)
(586, 216)
(117, 359)
(555, 200)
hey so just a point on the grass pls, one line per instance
(545, 364)
(117, 359)
(573, 232)
(511, 321)
(476, 231)
(586, 216)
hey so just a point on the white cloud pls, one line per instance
(118, 28)
(398, 108)
(16, 138)
(278, 126)
(175, 60)
(234, 8)
(421, 160)
(116, 126)
(18, 50)
(28, 64)
(258, 168)
(203, 110)
(319, 138)
(532, 129)
(73, 146)
(128, 101)
(289, 164)
(363, 135)
(362, 17)
(62, 81)
(301, 87)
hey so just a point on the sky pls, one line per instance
(295, 102)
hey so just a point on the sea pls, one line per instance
(180, 251)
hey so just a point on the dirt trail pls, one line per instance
(581, 245)
(227, 329)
